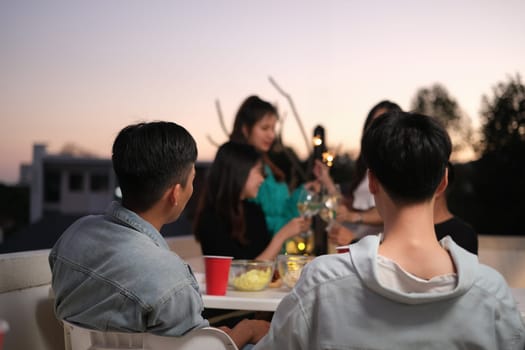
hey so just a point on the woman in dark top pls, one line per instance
(227, 223)
(447, 224)
(460, 232)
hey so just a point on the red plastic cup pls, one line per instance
(4, 327)
(217, 270)
(342, 249)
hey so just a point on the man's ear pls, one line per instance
(173, 194)
(443, 184)
(373, 185)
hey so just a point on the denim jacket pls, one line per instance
(115, 272)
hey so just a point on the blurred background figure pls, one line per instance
(357, 213)
(447, 224)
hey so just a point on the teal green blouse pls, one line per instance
(278, 205)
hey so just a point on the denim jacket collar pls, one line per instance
(119, 213)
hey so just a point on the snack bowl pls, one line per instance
(290, 267)
(250, 275)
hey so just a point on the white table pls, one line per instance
(265, 300)
(268, 299)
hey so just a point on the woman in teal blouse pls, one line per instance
(255, 124)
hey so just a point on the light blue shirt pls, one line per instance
(115, 272)
(339, 303)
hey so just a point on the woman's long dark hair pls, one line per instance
(250, 112)
(360, 167)
(224, 185)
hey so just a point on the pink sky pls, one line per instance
(80, 71)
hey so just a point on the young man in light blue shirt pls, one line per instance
(402, 289)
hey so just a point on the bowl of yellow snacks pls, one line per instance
(250, 275)
(290, 267)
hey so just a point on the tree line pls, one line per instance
(489, 190)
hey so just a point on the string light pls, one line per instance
(328, 158)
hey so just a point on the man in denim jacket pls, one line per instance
(115, 272)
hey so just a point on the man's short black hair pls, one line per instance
(408, 153)
(150, 157)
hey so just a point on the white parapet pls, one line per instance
(507, 255)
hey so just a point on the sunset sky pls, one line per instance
(79, 71)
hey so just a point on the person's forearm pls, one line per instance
(329, 185)
(372, 217)
(274, 248)
(249, 332)
(241, 334)
(322, 173)
(369, 217)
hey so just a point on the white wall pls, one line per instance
(507, 255)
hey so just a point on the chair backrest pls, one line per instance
(208, 338)
(25, 279)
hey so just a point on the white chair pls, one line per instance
(208, 338)
(25, 280)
